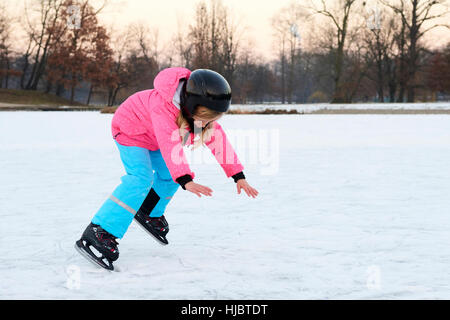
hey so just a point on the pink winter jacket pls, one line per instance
(147, 119)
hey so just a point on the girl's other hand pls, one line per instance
(198, 189)
(249, 190)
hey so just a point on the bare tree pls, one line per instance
(136, 61)
(5, 46)
(231, 37)
(418, 17)
(42, 34)
(200, 37)
(215, 38)
(118, 77)
(147, 41)
(340, 19)
(183, 48)
(286, 24)
(379, 39)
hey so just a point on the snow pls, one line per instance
(306, 108)
(350, 207)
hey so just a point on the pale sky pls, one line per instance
(254, 14)
(164, 15)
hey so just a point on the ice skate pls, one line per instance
(105, 246)
(156, 227)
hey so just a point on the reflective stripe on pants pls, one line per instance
(117, 213)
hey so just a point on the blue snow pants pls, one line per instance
(145, 170)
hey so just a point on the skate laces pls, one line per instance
(107, 237)
(157, 222)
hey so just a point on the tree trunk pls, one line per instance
(110, 93)
(402, 81)
(49, 86)
(72, 94)
(8, 68)
(380, 80)
(338, 96)
(392, 89)
(380, 94)
(291, 77)
(401, 92)
(283, 79)
(411, 94)
(24, 72)
(90, 94)
(412, 56)
(113, 99)
(59, 89)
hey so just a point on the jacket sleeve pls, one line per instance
(223, 152)
(168, 138)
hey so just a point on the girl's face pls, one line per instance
(205, 122)
(204, 115)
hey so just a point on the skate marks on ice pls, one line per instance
(352, 192)
(150, 234)
(93, 256)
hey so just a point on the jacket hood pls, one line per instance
(166, 82)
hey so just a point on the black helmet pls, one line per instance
(206, 88)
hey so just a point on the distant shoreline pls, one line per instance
(346, 111)
(270, 112)
(11, 108)
(238, 111)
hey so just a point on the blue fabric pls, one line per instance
(163, 184)
(144, 169)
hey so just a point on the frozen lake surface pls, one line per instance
(350, 207)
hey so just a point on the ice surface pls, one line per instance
(350, 207)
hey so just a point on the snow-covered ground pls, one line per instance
(322, 106)
(350, 207)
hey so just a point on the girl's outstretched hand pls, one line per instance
(198, 189)
(250, 191)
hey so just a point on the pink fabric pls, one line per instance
(147, 119)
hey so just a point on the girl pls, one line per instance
(150, 129)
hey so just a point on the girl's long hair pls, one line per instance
(206, 134)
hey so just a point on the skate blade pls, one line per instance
(161, 241)
(97, 263)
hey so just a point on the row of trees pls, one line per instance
(371, 51)
(338, 51)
